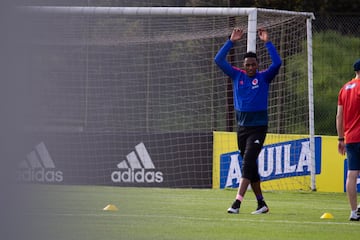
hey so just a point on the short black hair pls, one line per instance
(357, 65)
(250, 55)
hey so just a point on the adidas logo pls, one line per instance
(137, 168)
(39, 167)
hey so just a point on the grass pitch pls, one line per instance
(76, 212)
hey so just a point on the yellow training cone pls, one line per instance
(110, 207)
(327, 216)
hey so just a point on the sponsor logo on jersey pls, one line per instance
(350, 86)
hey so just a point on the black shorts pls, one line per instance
(250, 142)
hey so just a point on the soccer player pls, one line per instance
(348, 129)
(251, 89)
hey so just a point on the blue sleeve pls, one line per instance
(220, 59)
(276, 62)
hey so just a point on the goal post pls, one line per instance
(311, 101)
(130, 96)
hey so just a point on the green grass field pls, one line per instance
(76, 212)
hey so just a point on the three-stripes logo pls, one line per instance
(39, 167)
(138, 168)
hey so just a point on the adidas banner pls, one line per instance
(154, 160)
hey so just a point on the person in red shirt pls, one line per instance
(348, 129)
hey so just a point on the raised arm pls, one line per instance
(275, 57)
(236, 34)
(263, 35)
(220, 58)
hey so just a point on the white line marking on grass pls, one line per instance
(231, 219)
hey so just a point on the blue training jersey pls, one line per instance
(250, 93)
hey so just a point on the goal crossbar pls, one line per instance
(184, 11)
(172, 11)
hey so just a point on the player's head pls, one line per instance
(250, 63)
(357, 65)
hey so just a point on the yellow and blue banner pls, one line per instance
(284, 163)
(276, 161)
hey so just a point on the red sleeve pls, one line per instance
(340, 101)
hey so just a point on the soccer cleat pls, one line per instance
(358, 210)
(235, 207)
(262, 208)
(354, 217)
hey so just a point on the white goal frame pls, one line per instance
(203, 11)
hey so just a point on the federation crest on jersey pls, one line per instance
(255, 83)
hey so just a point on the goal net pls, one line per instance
(132, 97)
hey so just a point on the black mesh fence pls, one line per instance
(336, 46)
